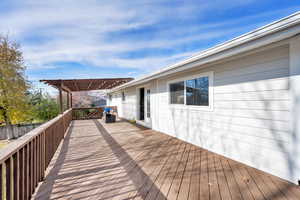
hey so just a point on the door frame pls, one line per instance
(147, 121)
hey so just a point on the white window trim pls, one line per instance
(210, 75)
(137, 112)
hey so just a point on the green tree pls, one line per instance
(13, 85)
(44, 107)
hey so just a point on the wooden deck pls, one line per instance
(122, 161)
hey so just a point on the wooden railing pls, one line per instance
(24, 161)
(89, 113)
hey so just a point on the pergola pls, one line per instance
(76, 85)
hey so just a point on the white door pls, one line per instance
(148, 107)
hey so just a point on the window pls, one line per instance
(177, 93)
(197, 91)
(192, 91)
(148, 104)
(123, 96)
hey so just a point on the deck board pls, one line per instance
(204, 180)
(175, 149)
(233, 187)
(171, 174)
(213, 178)
(195, 175)
(124, 161)
(241, 181)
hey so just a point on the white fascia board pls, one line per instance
(274, 32)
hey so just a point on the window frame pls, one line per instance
(210, 76)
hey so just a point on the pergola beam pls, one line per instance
(76, 86)
(90, 85)
(72, 85)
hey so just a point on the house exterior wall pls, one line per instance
(116, 100)
(250, 120)
(295, 106)
(127, 108)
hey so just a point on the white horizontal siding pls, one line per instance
(268, 105)
(117, 101)
(129, 105)
(250, 121)
(127, 108)
(259, 85)
(268, 95)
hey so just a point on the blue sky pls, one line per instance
(119, 38)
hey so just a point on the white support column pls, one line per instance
(295, 107)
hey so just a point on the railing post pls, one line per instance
(64, 127)
(71, 100)
(60, 101)
(68, 100)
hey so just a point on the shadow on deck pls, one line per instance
(122, 161)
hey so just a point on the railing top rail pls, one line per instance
(89, 108)
(13, 147)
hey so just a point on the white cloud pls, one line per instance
(80, 31)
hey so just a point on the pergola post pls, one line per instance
(71, 100)
(60, 101)
(68, 100)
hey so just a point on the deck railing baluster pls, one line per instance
(30, 168)
(38, 158)
(8, 179)
(43, 163)
(46, 143)
(1, 181)
(16, 175)
(33, 162)
(21, 174)
(26, 172)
